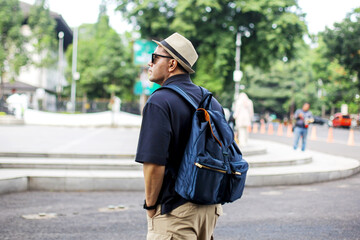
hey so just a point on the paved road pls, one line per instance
(320, 211)
(328, 211)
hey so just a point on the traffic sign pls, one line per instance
(142, 51)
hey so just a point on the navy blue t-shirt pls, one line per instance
(165, 131)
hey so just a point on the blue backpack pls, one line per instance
(212, 169)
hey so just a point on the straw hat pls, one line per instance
(181, 49)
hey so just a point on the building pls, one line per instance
(41, 85)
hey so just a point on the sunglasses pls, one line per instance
(154, 56)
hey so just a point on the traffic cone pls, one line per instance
(262, 128)
(330, 135)
(249, 129)
(313, 133)
(351, 140)
(271, 129)
(280, 130)
(255, 128)
(289, 132)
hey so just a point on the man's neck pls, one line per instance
(171, 75)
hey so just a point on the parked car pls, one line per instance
(319, 120)
(256, 118)
(340, 120)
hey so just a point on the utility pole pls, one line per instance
(75, 75)
(237, 73)
(60, 63)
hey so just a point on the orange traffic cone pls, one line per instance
(249, 129)
(289, 132)
(262, 128)
(271, 129)
(255, 128)
(351, 140)
(330, 135)
(280, 130)
(313, 133)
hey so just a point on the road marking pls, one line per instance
(272, 193)
(308, 189)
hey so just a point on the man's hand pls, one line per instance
(151, 213)
(153, 176)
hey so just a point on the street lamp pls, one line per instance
(75, 75)
(60, 62)
(237, 75)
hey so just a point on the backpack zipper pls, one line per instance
(210, 168)
(214, 169)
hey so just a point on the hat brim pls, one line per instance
(185, 66)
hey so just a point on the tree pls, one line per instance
(104, 61)
(343, 43)
(43, 37)
(282, 89)
(12, 51)
(272, 30)
(336, 84)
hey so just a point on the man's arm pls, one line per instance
(298, 115)
(153, 176)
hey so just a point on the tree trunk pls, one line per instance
(332, 110)
(84, 103)
(323, 111)
(1, 85)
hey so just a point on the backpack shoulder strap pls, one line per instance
(182, 93)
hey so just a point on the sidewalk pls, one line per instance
(108, 118)
(92, 159)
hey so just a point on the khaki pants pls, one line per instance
(187, 222)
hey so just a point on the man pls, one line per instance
(303, 118)
(165, 130)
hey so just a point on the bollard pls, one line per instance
(351, 140)
(313, 133)
(330, 135)
(249, 129)
(255, 128)
(280, 130)
(262, 128)
(271, 129)
(289, 132)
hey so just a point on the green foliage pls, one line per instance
(343, 42)
(104, 62)
(12, 51)
(43, 34)
(272, 27)
(337, 63)
(287, 86)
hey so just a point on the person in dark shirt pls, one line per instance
(164, 133)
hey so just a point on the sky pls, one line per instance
(319, 13)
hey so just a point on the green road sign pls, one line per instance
(142, 51)
(138, 88)
(147, 90)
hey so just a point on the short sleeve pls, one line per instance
(155, 136)
(296, 114)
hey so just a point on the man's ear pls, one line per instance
(172, 65)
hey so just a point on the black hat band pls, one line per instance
(163, 42)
